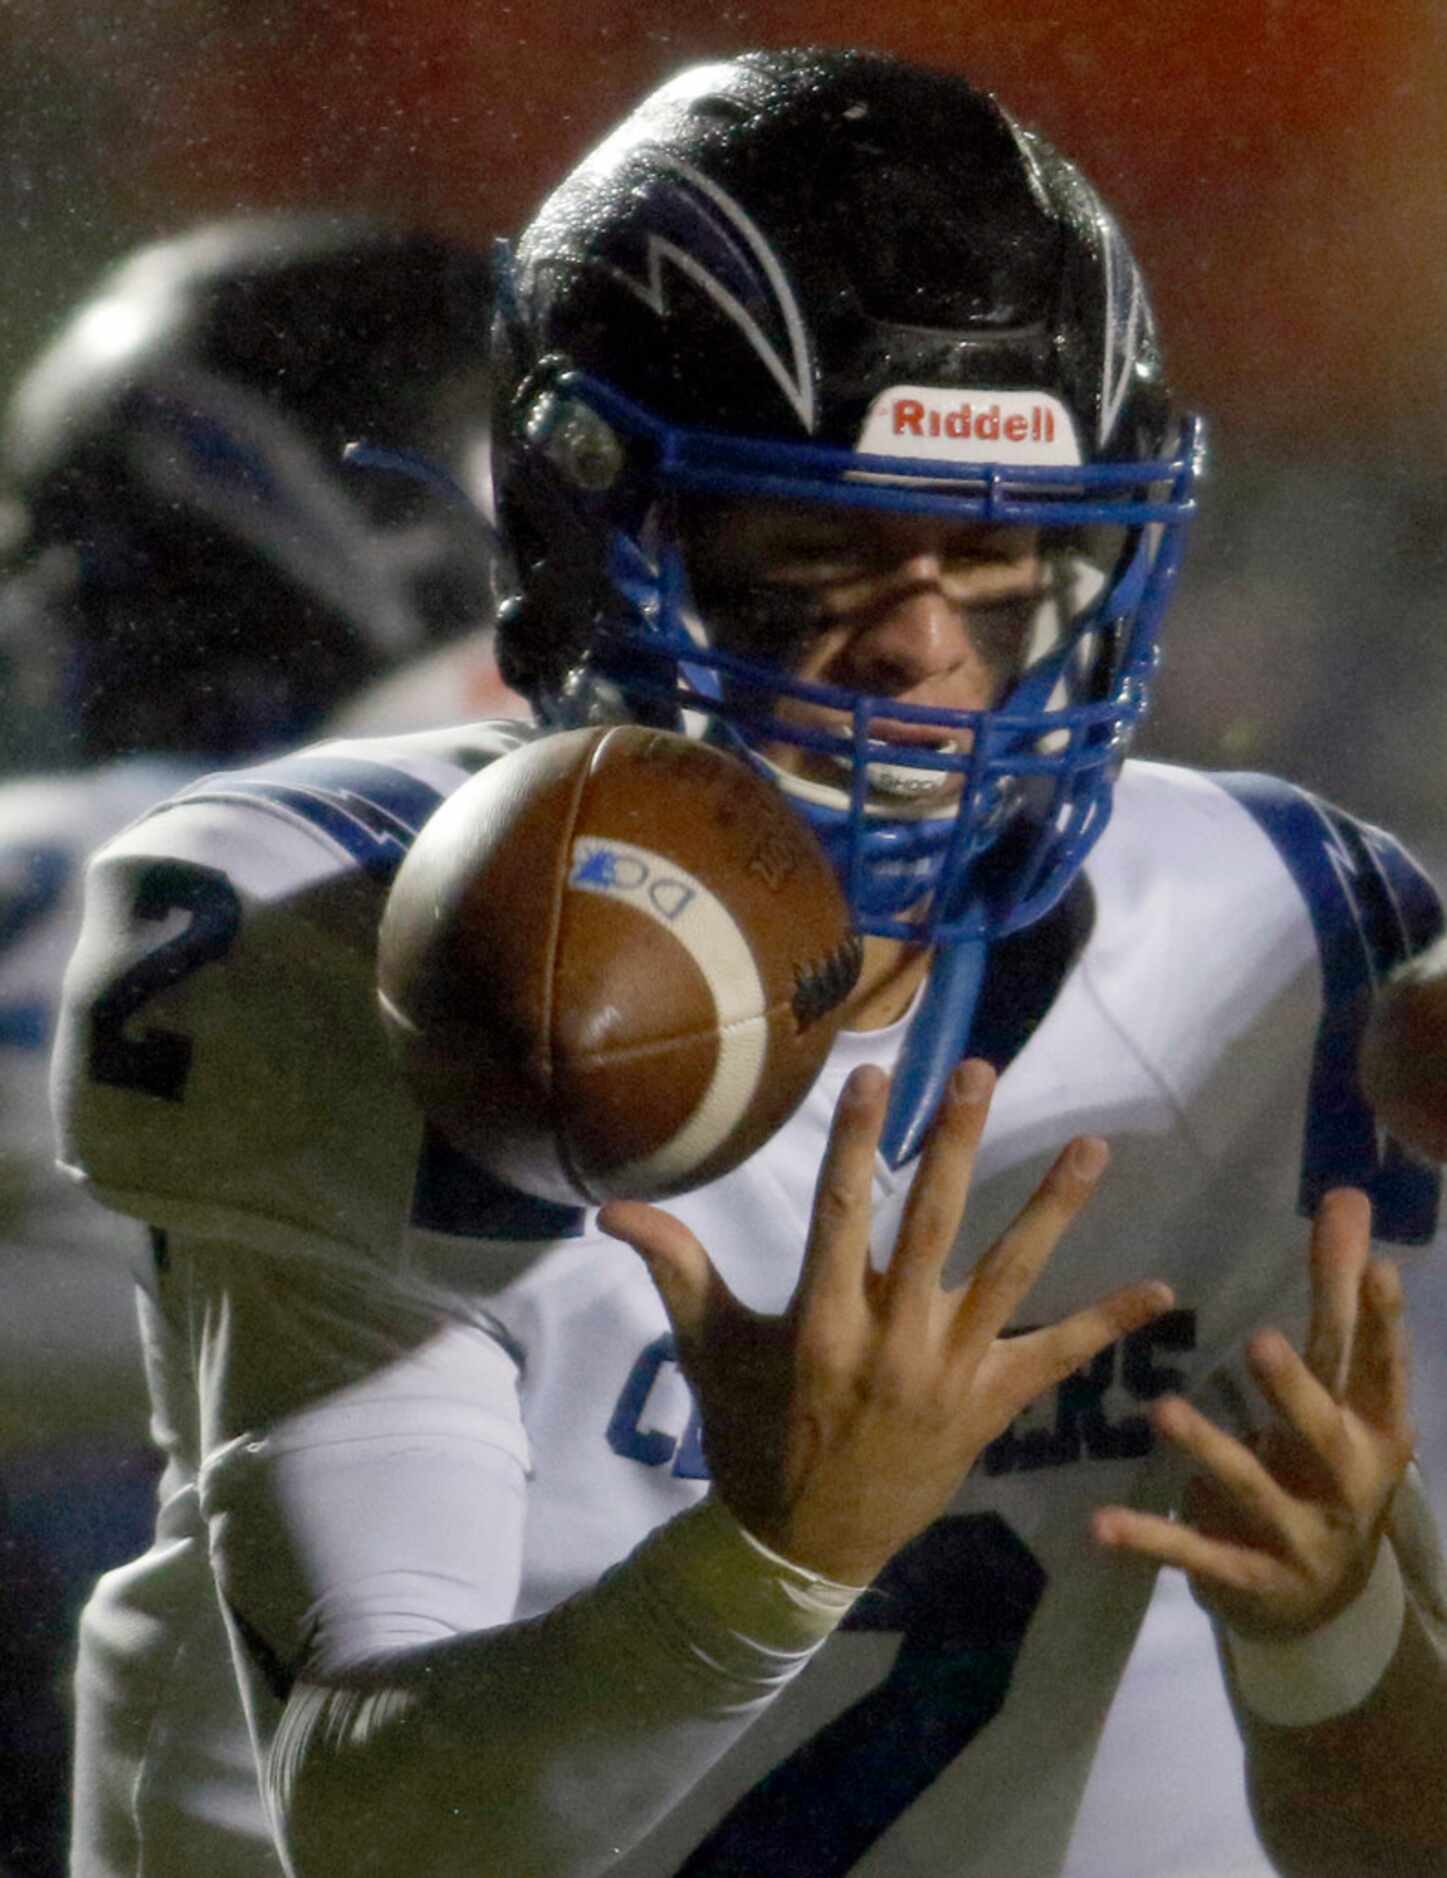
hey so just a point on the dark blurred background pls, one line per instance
(1279, 164)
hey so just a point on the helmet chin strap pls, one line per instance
(939, 1034)
(938, 1037)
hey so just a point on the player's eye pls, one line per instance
(768, 620)
(823, 564)
(1001, 628)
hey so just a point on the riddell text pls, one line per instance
(911, 419)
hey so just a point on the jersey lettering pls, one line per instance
(32, 881)
(157, 1062)
(654, 1398)
(656, 1422)
(1079, 1427)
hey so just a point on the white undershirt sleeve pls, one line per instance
(550, 1746)
(368, 1548)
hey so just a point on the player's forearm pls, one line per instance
(1363, 1791)
(541, 1749)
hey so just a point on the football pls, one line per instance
(612, 964)
(1403, 1060)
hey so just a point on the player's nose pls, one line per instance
(912, 632)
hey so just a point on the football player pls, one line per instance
(195, 575)
(192, 575)
(832, 425)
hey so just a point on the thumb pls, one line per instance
(682, 1272)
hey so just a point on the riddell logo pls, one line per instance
(986, 422)
(970, 426)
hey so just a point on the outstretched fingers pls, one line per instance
(935, 1206)
(1340, 1250)
(836, 1254)
(1020, 1369)
(1010, 1268)
(1223, 1562)
(682, 1272)
(1379, 1382)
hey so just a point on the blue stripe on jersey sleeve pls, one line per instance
(1371, 908)
(369, 810)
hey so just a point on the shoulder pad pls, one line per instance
(370, 811)
(363, 800)
(1371, 909)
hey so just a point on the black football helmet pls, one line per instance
(194, 568)
(830, 277)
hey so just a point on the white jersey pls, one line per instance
(69, 1362)
(401, 1403)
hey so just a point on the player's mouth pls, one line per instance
(907, 782)
(895, 784)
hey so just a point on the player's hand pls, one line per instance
(838, 1430)
(1280, 1534)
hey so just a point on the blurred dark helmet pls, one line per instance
(193, 566)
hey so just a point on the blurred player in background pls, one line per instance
(196, 576)
(831, 424)
(193, 576)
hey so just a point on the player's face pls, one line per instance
(915, 608)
